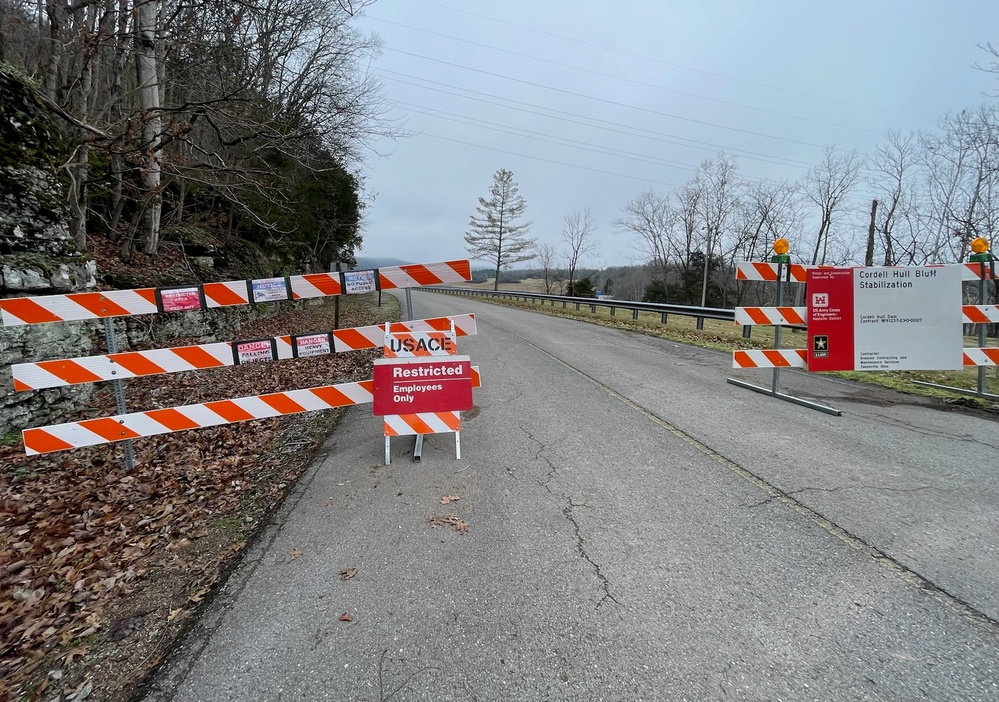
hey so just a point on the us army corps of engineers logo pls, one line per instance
(820, 346)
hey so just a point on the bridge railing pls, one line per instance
(699, 314)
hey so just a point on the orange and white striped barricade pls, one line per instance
(39, 375)
(125, 427)
(102, 430)
(44, 309)
(779, 316)
(115, 366)
(421, 386)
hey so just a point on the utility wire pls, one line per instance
(547, 160)
(624, 79)
(609, 126)
(659, 61)
(548, 138)
(605, 101)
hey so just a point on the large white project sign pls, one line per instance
(893, 318)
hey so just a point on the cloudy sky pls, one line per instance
(592, 103)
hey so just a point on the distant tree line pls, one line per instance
(935, 192)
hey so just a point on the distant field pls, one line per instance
(536, 285)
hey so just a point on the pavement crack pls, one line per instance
(890, 563)
(581, 548)
(539, 455)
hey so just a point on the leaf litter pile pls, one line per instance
(100, 568)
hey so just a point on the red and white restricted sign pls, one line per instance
(415, 385)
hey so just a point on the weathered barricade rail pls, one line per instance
(116, 367)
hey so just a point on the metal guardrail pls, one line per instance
(663, 310)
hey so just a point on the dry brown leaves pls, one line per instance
(452, 520)
(448, 499)
(348, 573)
(79, 533)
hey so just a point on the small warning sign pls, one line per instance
(253, 351)
(184, 299)
(359, 282)
(311, 345)
(270, 289)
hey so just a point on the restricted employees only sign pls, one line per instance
(884, 318)
(414, 385)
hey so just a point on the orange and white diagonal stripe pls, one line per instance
(770, 358)
(132, 364)
(19, 311)
(750, 270)
(422, 423)
(980, 314)
(90, 432)
(421, 274)
(981, 356)
(770, 315)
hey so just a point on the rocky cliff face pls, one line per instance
(37, 255)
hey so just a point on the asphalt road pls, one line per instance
(638, 529)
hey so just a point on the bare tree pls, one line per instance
(893, 168)
(495, 234)
(547, 257)
(168, 96)
(577, 233)
(993, 65)
(688, 246)
(720, 192)
(962, 181)
(148, 83)
(768, 211)
(652, 219)
(827, 186)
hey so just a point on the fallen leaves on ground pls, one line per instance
(448, 499)
(82, 539)
(293, 554)
(345, 617)
(452, 520)
(348, 573)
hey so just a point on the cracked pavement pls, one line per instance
(665, 536)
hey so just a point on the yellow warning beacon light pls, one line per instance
(980, 247)
(781, 248)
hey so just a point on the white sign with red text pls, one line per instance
(413, 385)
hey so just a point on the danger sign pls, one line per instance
(412, 385)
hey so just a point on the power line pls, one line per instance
(605, 101)
(548, 138)
(625, 80)
(659, 61)
(639, 132)
(547, 160)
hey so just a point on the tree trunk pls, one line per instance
(869, 255)
(117, 201)
(57, 49)
(149, 100)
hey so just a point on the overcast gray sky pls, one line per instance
(592, 103)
